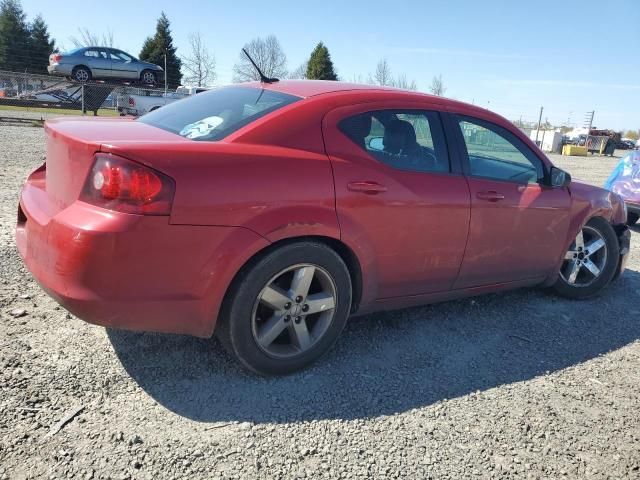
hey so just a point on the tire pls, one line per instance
(81, 74)
(604, 257)
(147, 77)
(632, 218)
(249, 322)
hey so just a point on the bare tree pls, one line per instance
(383, 75)
(402, 82)
(300, 73)
(87, 38)
(199, 65)
(268, 55)
(437, 86)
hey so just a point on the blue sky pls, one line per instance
(509, 56)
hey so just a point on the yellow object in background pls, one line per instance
(574, 150)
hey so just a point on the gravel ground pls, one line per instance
(517, 385)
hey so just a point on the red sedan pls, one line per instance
(269, 213)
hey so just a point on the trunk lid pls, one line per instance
(72, 144)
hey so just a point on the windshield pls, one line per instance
(213, 115)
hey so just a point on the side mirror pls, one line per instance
(560, 178)
(376, 143)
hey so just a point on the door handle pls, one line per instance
(368, 187)
(491, 196)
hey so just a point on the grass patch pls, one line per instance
(57, 111)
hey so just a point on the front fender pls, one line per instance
(588, 202)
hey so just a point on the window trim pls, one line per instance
(456, 118)
(437, 117)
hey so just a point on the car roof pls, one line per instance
(312, 88)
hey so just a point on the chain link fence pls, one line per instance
(34, 92)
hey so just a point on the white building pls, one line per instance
(548, 140)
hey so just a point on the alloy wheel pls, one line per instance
(82, 75)
(586, 258)
(148, 78)
(294, 310)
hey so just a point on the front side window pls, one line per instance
(407, 140)
(496, 153)
(214, 114)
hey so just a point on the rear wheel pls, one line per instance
(591, 261)
(147, 77)
(632, 218)
(81, 74)
(287, 309)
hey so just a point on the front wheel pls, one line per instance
(591, 261)
(287, 309)
(148, 77)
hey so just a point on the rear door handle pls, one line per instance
(491, 196)
(368, 187)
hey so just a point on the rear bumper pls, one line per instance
(128, 111)
(58, 69)
(129, 271)
(633, 207)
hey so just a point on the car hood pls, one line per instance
(150, 65)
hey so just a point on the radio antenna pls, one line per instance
(263, 77)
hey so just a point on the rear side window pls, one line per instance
(212, 115)
(407, 140)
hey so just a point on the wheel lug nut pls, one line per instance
(287, 318)
(298, 299)
(305, 308)
(298, 319)
(287, 306)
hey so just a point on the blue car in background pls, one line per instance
(84, 64)
(625, 181)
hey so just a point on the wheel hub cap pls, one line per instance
(294, 310)
(586, 258)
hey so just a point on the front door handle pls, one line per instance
(368, 187)
(491, 196)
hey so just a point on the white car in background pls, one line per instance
(148, 101)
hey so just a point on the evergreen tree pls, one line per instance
(14, 37)
(320, 66)
(154, 49)
(40, 46)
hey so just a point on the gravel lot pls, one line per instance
(517, 385)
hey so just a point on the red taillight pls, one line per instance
(132, 102)
(120, 184)
(56, 57)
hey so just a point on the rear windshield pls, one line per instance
(213, 115)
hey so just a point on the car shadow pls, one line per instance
(391, 362)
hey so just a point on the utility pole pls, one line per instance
(539, 122)
(165, 74)
(588, 120)
(588, 123)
